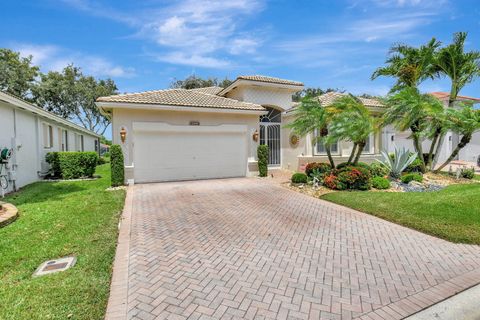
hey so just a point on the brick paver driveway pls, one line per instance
(243, 248)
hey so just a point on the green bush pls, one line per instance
(415, 166)
(379, 170)
(411, 177)
(117, 166)
(262, 155)
(332, 182)
(102, 160)
(355, 178)
(468, 173)
(72, 165)
(299, 178)
(106, 155)
(359, 164)
(322, 168)
(380, 183)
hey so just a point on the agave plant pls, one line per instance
(402, 158)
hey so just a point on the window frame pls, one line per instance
(371, 142)
(316, 152)
(47, 131)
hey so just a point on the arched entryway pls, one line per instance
(270, 126)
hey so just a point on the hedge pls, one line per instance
(262, 154)
(72, 165)
(117, 166)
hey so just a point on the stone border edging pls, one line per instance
(422, 300)
(117, 301)
(9, 216)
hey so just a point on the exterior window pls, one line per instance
(320, 147)
(96, 145)
(369, 146)
(81, 145)
(321, 150)
(63, 139)
(47, 136)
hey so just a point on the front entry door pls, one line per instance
(270, 135)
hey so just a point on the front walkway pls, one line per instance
(244, 249)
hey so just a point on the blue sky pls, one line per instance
(144, 45)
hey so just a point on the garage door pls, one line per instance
(164, 152)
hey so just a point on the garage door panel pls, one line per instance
(169, 156)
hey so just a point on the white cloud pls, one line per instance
(193, 60)
(55, 58)
(199, 29)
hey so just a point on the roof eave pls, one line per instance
(19, 103)
(241, 82)
(164, 107)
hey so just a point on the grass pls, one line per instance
(58, 219)
(452, 213)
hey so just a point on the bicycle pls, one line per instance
(5, 155)
(3, 178)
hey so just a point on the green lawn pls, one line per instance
(452, 213)
(59, 219)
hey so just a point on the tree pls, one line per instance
(463, 120)
(72, 95)
(409, 109)
(351, 121)
(193, 82)
(310, 117)
(311, 93)
(460, 67)
(17, 74)
(409, 65)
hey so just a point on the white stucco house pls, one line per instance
(31, 133)
(180, 134)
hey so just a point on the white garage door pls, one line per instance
(164, 152)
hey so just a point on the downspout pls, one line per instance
(14, 146)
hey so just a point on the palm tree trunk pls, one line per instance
(463, 142)
(451, 101)
(417, 144)
(361, 145)
(432, 148)
(329, 155)
(352, 154)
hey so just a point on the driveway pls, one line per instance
(245, 249)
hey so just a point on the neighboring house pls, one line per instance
(392, 139)
(33, 132)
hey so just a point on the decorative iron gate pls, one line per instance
(270, 135)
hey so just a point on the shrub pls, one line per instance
(412, 177)
(355, 178)
(321, 167)
(359, 164)
(106, 155)
(415, 166)
(116, 165)
(102, 160)
(380, 183)
(379, 170)
(72, 165)
(262, 155)
(332, 182)
(468, 173)
(299, 178)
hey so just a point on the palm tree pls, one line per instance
(409, 109)
(351, 121)
(311, 116)
(409, 65)
(463, 121)
(460, 67)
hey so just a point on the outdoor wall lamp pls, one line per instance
(255, 136)
(123, 134)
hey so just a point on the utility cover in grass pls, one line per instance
(57, 265)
